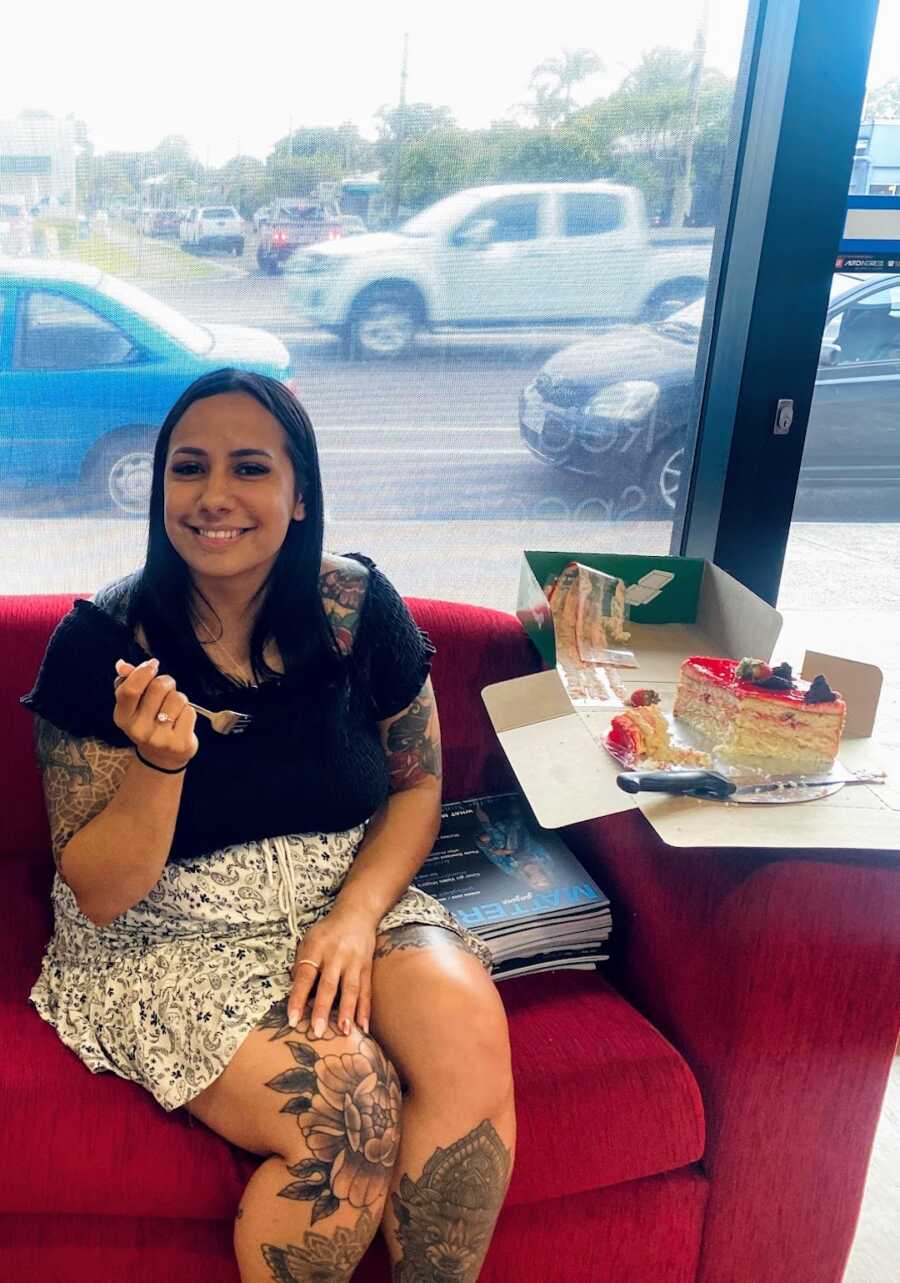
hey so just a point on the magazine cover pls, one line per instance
(499, 873)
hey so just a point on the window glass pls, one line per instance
(514, 218)
(867, 330)
(56, 333)
(587, 214)
(530, 384)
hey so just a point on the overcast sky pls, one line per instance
(232, 76)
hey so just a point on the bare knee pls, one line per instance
(462, 1051)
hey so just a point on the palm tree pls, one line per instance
(554, 79)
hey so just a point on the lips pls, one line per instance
(216, 536)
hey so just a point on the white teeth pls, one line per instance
(220, 534)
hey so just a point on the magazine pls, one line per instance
(516, 886)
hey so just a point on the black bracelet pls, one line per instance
(164, 769)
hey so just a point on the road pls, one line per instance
(447, 413)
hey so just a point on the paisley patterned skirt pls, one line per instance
(165, 994)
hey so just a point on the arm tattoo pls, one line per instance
(447, 1216)
(343, 591)
(79, 777)
(412, 742)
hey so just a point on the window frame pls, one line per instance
(743, 476)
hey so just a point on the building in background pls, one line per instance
(876, 164)
(37, 161)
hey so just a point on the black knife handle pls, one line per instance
(691, 783)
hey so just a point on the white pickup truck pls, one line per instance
(493, 257)
(212, 227)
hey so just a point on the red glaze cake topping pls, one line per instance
(723, 673)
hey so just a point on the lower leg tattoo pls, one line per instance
(446, 1217)
(321, 1259)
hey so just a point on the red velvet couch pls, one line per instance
(701, 1110)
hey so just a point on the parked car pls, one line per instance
(492, 257)
(260, 216)
(161, 222)
(90, 366)
(351, 224)
(16, 235)
(617, 407)
(213, 227)
(292, 225)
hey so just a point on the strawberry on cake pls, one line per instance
(752, 713)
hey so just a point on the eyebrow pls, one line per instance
(232, 454)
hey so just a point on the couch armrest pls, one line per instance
(778, 980)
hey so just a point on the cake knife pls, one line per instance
(711, 784)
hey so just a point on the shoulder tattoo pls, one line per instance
(343, 584)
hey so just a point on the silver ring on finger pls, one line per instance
(308, 962)
(163, 717)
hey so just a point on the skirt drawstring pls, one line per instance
(278, 853)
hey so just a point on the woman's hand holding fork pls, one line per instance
(155, 715)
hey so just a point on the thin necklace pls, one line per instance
(218, 642)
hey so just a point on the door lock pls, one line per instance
(784, 417)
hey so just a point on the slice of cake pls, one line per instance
(641, 735)
(752, 713)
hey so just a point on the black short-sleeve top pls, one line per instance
(307, 763)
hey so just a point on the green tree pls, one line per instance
(649, 118)
(243, 182)
(344, 144)
(407, 124)
(290, 176)
(883, 101)
(553, 81)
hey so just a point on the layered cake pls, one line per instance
(752, 713)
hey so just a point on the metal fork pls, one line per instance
(227, 722)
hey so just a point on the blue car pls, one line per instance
(89, 367)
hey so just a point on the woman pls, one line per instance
(234, 925)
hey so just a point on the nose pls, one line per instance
(216, 494)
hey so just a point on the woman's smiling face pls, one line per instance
(230, 489)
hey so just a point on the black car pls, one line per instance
(617, 407)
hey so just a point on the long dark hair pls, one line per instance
(291, 610)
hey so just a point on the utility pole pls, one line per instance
(681, 197)
(399, 131)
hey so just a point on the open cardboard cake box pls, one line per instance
(679, 606)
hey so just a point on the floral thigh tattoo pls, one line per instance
(347, 1106)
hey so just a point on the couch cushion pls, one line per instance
(601, 1097)
(25, 627)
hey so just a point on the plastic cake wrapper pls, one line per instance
(589, 610)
